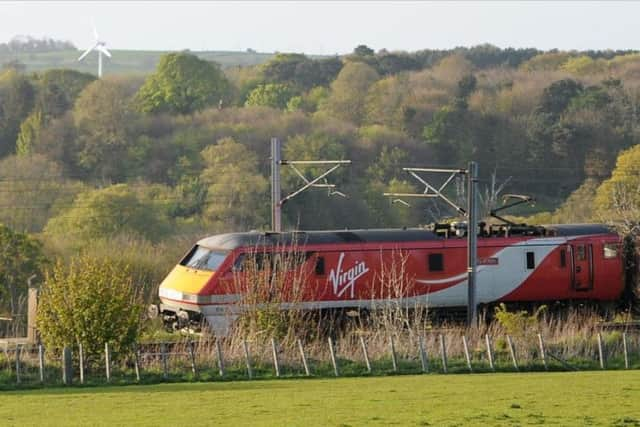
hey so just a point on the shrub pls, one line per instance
(89, 302)
(518, 324)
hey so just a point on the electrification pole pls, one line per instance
(277, 201)
(276, 192)
(472, 243)
(435, 191)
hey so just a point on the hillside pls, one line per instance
(124, 61)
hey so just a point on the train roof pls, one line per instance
(253, 238)
(232, 241)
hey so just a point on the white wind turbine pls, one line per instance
(100, 47)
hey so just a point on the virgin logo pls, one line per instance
(344, 281)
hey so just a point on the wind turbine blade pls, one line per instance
(104, 50)
(87, 52)
(95, 32)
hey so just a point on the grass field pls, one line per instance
(610, 398)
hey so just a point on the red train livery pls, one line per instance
(343, 269)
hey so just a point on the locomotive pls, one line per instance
(350, 269)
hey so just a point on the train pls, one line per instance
(427, 267)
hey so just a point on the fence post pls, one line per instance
(443, 351)
(192, 355)
(394, 360)
(365, 353)
(67, 367)
(18, 349)
(333, 357)
(276, 362)
(41, 362)
(304, 358)
(489, 352)
(600, 351)
(512, 350)
(220, 358)
(543, 353)
(423, 355)
(625, 350)
(136, 361)
(107, 361)
(465, 346)
(163, 357)
(247, 358)
(81, 362)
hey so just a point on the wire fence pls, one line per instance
(209, 359)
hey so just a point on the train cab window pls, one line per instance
(563, 258)
(531, 260)
(436, 262)
(610, 250)
(320, 266)
(201, 258)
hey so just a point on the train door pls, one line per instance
(582, 275)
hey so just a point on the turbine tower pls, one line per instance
(100, 47)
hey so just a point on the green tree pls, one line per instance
(617, 198)
(272, 95)
(91, 302)
(237, 192)
(17, 98)
(349, 90)
(21, 257)
(104, 119)
(57, 90)
(115, 210)
(30, 130)
(182, 84)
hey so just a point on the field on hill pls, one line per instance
(124, 61)
(589, 398)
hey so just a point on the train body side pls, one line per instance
(429, 273)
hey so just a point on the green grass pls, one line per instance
(565, 399)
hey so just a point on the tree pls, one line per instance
(21, 257)
(557, 97)
(182, 84)
(104, 119)
(112, 211)
(617, 198)
(236, 191)
(269, 95)
(91, 301)
(57, 90)
(348, 91)
(17, 97)
(363, 50)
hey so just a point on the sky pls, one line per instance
(327, 27)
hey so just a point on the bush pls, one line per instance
(89, 302)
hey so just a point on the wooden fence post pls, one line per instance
(192, 355)
(512, 350)
(247, 358)
(81, 362)
(365, 354)
(67, 367)
(489, 352)
(18, 350)
(107, 361)
(163, 356)
(276, 362)
(394, 360)
(220, 358)
(136, 361)
(424, 361)
(600, 350)
(443, 352)
(467, 356)
(41, 362)
(333, 358)
(304, 358)
(543, 353)
(625, 350)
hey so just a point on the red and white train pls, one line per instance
(350, 269)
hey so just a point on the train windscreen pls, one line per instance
(202, 258)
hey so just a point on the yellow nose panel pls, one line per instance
(186, 280)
